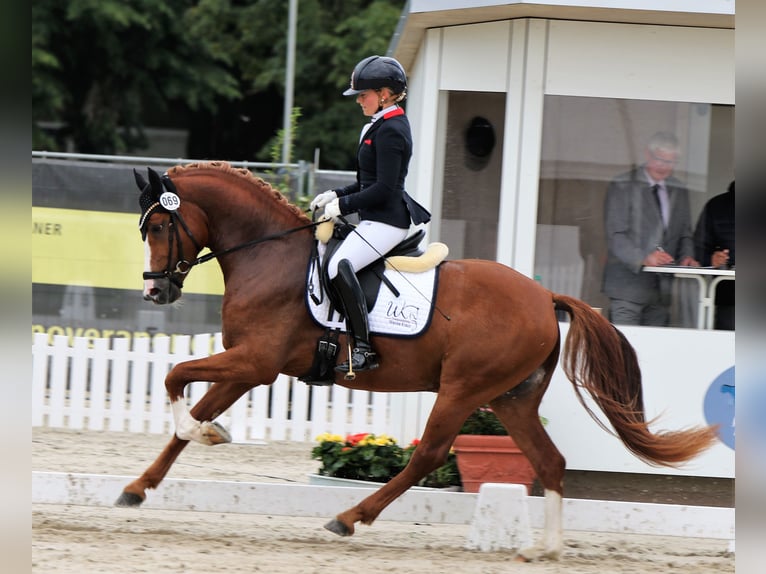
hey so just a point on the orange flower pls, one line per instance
(354, 439)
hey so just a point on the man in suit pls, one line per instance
(648, 223)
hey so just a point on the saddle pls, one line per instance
(370, 278)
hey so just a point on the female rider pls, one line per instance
(384, 208)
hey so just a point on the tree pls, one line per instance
(347, 37)
(106, 69)
(99, 65)
(332, 36)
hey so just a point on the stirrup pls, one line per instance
(361, 360)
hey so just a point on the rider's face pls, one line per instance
(369, 100)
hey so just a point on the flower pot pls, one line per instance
(490, 458)
(324, 480)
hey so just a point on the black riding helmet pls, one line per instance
(376, 72)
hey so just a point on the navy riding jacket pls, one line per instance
(382, 162)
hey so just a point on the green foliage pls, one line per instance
(377, 458)
(99, 67)
(105, 69)
(332, 121)
(281, 178)
(445, 476)
(484, 421)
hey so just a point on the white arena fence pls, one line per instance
(104, 384)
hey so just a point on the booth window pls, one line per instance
(472, 172)
(586, 142)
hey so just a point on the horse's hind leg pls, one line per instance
(440, 431)
(216, 400)
(517, 410)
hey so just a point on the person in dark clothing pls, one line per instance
(714, 245)
(378, 196)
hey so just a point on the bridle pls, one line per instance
(182, 268)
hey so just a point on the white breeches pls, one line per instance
(368, 242)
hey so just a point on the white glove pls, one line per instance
(331, 210)
(323, 199)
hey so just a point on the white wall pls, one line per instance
(529, 58)
(678, 367)
(640, 62)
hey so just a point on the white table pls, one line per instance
(708, 279)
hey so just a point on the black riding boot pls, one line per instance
(346, 284)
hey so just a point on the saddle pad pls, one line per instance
(407, 315)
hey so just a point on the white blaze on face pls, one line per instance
(148, 283)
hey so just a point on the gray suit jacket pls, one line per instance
(634, 229)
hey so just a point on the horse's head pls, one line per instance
(170, 244)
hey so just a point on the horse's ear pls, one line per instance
(154, 179)
(140, 181)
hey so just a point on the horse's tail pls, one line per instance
(597, 357)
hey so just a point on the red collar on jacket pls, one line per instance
(393, 113)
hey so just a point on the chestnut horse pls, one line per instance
(497, 340)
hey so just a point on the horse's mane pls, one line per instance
(261, 184)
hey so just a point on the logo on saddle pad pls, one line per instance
(403, 314)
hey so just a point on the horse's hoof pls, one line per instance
(129, 499)
(337, 527)
(214, 433)
(531, 554)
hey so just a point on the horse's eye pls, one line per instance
(156, 228)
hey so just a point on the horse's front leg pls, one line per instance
(215, 401)
(135, 492)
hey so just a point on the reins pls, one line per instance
(209, 256)
(183, 267)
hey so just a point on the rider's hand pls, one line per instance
(323, 199)
(331, 210)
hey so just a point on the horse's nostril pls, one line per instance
(151, 294)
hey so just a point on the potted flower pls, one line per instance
(485, 453)
(366, 458)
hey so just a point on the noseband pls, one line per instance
(175, 275)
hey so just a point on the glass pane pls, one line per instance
(587, 143)
(472, 169)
